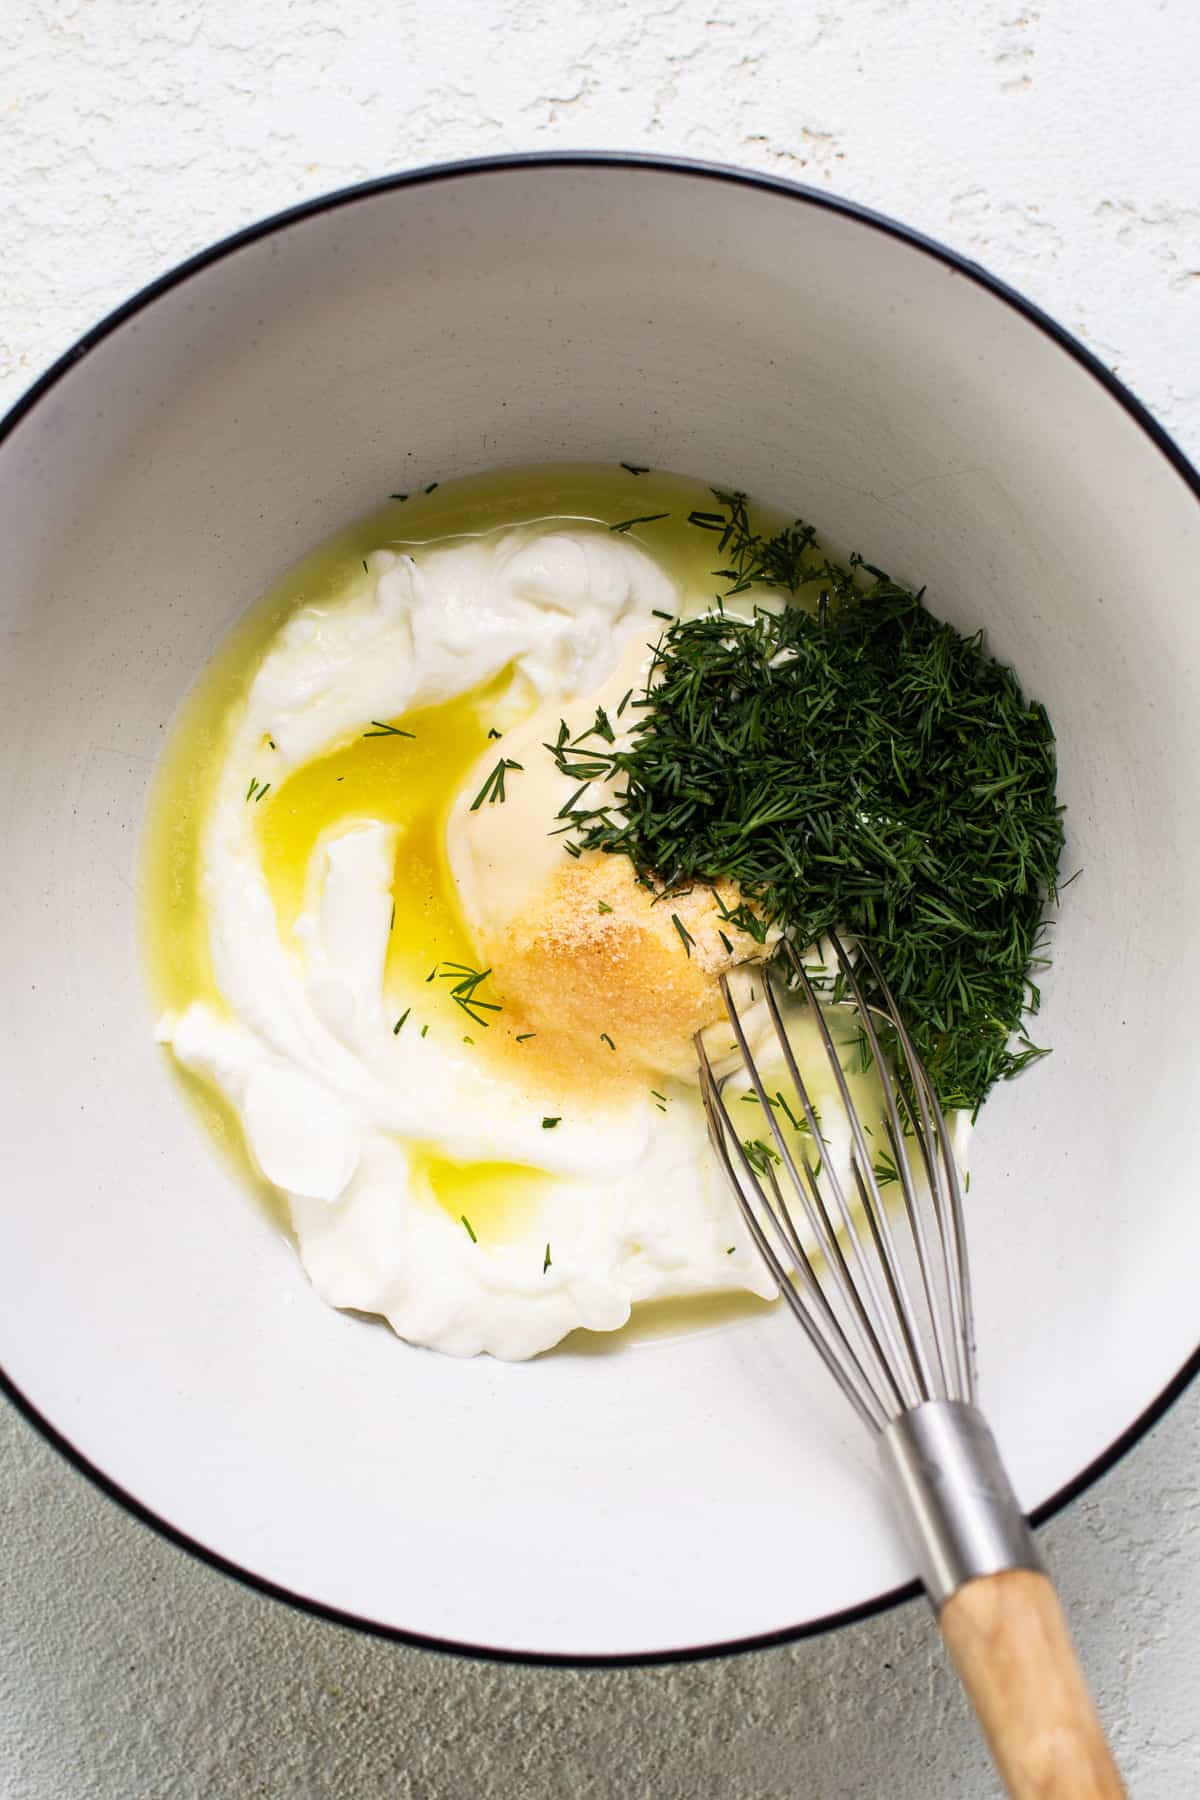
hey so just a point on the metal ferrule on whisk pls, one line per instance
(957, 1505)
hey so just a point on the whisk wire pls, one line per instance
(844, 1365)
(912, 1363)
(915, 1213)
(871, 1319)
(937, 1155)
(845, 1278)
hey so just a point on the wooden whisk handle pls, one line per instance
(998, 1612)
(1010, 1644)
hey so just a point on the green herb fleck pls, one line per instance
(549, 1124)
(637, 468)
(731, 1250)
(262, 790)
(470, 1233)
(605, 1039)
(602, 906)
(392, 920)
(424, 1029)
(466, 983)
(658, 613)
(493, 733)
(380, 729)
(400, 1021)
(366, 571)
(884, 1170)
(493, 788)
(796, 1124)
(646, 519)
(523, 1035)
(685, 936)
(760, 1156)
(546, 1260)
(253, 788)
(431, 487)
(397, 496)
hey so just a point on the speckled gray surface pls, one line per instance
(1056, 147)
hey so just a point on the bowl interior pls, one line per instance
(640, 1499)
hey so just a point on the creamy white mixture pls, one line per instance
(335, 1106)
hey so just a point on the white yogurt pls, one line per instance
(337, 1108)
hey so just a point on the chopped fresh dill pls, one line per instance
(392, 920)
(795, 1123)
(366, 571)
(624, 702)
(549, 1124)
(847, 761)
(760, 1156)
(599, 727)
(779, 561)
(728, 947)
(658, 613)
(468, 1040)
(253, 788)
(262, 790)
(464, 991)
(568, 807)
(397, 496)
(424, 1029)
(493, 788)
(546, 1260)
(470, 1233)
(523, 1035)
(493, 733)
(646, 519)
(731, 1250)
(685, 936)
(602, 906)
(272, 743)
(605, 1039)
(400, 1021)
(884, 1169)
(637, 468)
(657, 1095)
(431, 487)
(380, 729)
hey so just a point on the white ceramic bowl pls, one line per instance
(675, 1496)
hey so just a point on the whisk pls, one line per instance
(885, 1298)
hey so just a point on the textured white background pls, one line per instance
(1062, 148)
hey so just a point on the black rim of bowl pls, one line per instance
(805, 196)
